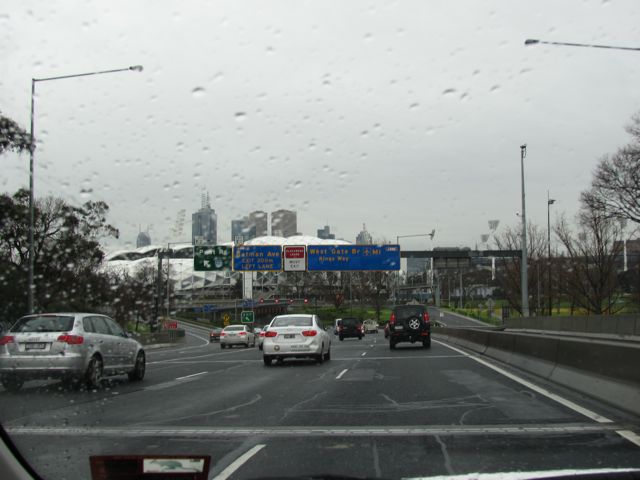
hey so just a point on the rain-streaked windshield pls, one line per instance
(292, 322)
(451, 187)
(43, 324)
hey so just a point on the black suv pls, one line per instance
(409, 323)
(350, 327)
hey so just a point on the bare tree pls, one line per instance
(509, 272)
(591, 261)
(615, 186)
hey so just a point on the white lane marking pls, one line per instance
(542, 391)
(595, 473)
(629, 435)
(176, 359)
(238, 462)
(205, 340)
(363, 354)
(192, 375)
(341, 374)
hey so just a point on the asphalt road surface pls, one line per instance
(368, 412)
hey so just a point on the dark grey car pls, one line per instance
(79, 347)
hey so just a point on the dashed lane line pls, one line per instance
(237, 463)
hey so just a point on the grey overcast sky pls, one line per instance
(404, 115)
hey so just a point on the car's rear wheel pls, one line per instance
(341, 338)
(137, 374)
(392, 345)
(327, 356)
(320, 357)
(12, 383)
(222, 345)
(93, 377)
(246, 345)
(267, 360)
(426, 343)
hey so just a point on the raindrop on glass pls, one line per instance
(198, 92)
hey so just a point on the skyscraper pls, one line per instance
(364, 237)
(258, 219)
(242, 230)
(325, 233)
(143, 240)
(204, 224)
(284, 223)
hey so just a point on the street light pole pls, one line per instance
(32, 147)
(523, 263)
(532, 41)
(550, 201)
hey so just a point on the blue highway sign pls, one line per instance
(353, 257)
(257, 258)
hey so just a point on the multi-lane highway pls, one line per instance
(368, 412)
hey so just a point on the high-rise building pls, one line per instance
(204, 224)
(143, 240)
(364, 237)
(284, 223)
(325, 233)
(242, 230)
(258, 220)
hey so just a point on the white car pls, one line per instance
(370, 326)
(263, 330)
(296, 336)
(237, 335)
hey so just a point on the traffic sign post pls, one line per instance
(246, 316)
(295, 258)
(209, 258)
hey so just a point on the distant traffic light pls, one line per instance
(261, 300)
(306, 300)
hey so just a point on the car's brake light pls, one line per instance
(222, 334)
(392, 319)
(425, 317)
(7, 339)
(270, 334)
(71, 339)
(243, 333)
(309, 333)
(262, 334)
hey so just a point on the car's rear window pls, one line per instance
(45, 323)
(350, 322)
(234, 328)
(292, 322)
(409, 311)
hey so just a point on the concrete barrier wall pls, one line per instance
(607, 324)
(165, 336)
(609, 371)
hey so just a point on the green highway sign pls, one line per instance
(246, 316)
(208, 258)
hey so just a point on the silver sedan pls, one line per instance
(296, 336)
(237, 335)
(80, 347)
